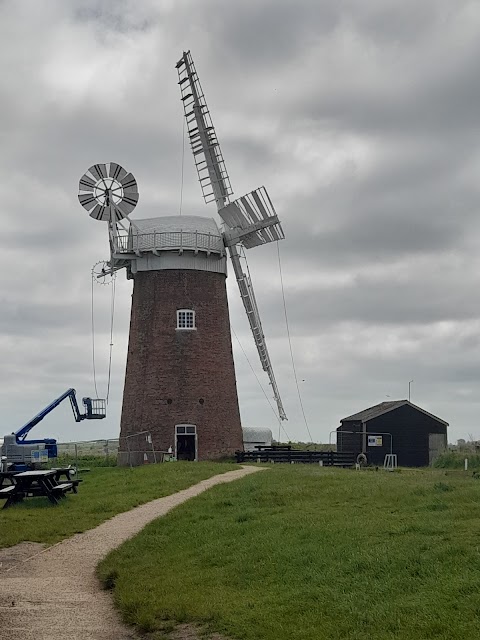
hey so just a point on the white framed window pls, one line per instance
(185, 429)
(186, 319)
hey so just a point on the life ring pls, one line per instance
(361, 459)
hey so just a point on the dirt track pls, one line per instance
(55, 594)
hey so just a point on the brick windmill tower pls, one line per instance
(180, 380)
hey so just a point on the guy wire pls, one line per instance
(261, 386)
(112, 315)
(290, 343)
(183, 165)
(93, 343)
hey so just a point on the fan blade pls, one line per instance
(87, 201)
(98, 171)
(208, 157)
(128, 182)
(131, 198)
(108, 212)
(97, 212)
(125, 207)
(86, 183)
(250, 304)
(118, 214)
(131, 193)
(116, 172)
(105, 212)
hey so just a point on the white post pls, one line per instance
(466, 464)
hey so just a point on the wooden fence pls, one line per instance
(289, 456)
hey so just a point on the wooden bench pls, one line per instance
(11, 494)
(6, 491)
(68, 472)
(75, 484)
(62, 488)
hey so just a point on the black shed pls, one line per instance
(416, 436)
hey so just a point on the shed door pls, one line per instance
(437, 443)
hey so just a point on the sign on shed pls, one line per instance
(375, 441)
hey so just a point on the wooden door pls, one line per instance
(437, 443)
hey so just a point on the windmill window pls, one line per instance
(186, 319)
(185, 429)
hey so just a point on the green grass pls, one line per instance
(304, 553)
(103, 493)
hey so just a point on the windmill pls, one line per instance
(180, 381)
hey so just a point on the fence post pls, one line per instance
(153, 449)
(129, 456)
(76, 457)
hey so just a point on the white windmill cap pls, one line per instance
(174, 224)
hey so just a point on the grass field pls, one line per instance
(305, 553)
(103, 493)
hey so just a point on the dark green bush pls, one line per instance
(456, 460)
(85, 461)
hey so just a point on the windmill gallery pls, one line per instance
(180, 379)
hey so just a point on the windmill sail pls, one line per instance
(211, 169)
(250, 304)
(251, 220)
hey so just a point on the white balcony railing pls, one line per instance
(169, 241)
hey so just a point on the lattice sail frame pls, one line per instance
(212, 173)
(252, 219)
(249, 221)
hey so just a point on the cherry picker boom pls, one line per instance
(17, 450)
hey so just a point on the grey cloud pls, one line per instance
(361, 120)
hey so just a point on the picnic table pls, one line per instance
(6, 478)
(40, 482)
(68, 472)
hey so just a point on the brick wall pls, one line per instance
(170, 372)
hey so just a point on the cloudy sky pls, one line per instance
(362, 120)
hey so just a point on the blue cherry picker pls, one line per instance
(16, 451)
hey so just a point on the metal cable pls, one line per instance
(93, 345)
(290, 343)
(183, 165)
(112, 315)
(280, 425)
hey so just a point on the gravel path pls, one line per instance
(55, 594)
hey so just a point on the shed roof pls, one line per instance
(385, 407)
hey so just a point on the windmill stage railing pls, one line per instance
(168, 240)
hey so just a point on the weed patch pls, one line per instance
(442, 486)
